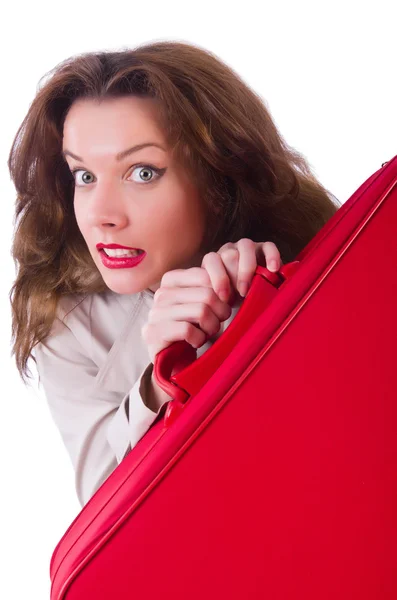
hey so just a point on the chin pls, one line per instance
(123, 286)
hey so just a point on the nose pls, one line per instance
(107, 207)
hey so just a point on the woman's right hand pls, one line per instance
(185, 307)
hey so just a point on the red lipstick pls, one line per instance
(119, 262)
(114, 247)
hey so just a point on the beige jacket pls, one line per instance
(93, 367)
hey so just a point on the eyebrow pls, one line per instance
(120, 155)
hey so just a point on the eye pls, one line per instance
(145, 175)
(74, 173)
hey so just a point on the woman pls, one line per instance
(164, 151)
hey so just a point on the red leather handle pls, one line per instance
(176, 368)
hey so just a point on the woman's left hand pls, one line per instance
(232, 268)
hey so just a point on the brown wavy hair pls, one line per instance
(219, 130)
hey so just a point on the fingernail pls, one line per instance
(273, 265)
(243, 289)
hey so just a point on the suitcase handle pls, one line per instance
(177, 370)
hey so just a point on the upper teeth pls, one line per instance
(120, 252)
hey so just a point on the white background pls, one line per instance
(327, 72)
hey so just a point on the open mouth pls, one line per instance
(121, 261)
(120, 253)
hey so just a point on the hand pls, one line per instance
(233, 266)
(185, 307)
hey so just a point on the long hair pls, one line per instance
(220, 131)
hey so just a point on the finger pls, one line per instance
(195, 276)
(206, 295)
(271, 253)
(247, 264)
(162, 335)
(227, 246)
(196, 313)
(218, 274)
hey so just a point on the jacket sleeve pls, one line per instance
(133, 418)
(92, 421)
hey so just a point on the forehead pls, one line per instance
(114, 120)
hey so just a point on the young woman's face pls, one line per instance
(125, 201)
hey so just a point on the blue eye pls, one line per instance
(78, 171)
(145, 169)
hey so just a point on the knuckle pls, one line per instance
(270, 246)
(211, 322)
(188, 330)
(212, 254)
(168, 277)
(215, 327)
(196, 275)
(165, 278)
(230, 253)
(203, 277)
(204, 310)
(161, 294)
(209, 296)
(200, 276)
(225, 246)
(227, 311)
(248, 246)
(208, 257)
(198, 338)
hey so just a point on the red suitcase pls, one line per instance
(273, 471)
